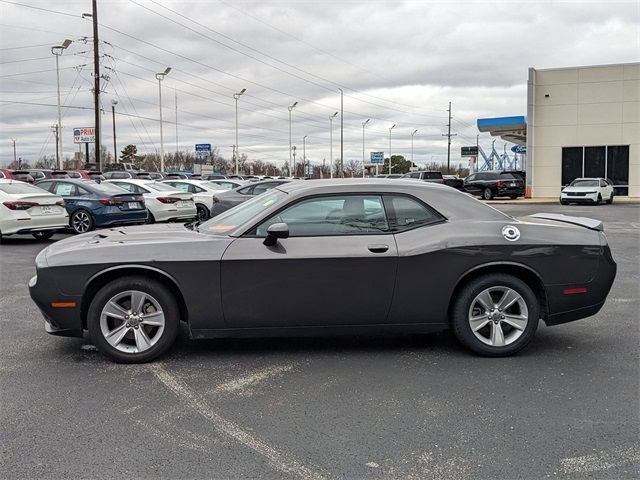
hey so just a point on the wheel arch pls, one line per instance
(518, 270)
(100, 279)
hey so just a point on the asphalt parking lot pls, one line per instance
(410, 407)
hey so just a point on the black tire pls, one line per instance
(563, 202)
(202, 212)
(610, 201)
(150, 287)
(463, 303)
(150, 218)
(81, 221)
(43, 234)
(487, 194)
(599, 201)
(513, 197)
(1, 237)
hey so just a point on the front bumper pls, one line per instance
(590, 198)
(62, 321)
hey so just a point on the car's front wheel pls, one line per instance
(495, 315)
(133, 319)
(487, 194)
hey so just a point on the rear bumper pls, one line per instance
(34, 224)
(567, 303)
(121, 218)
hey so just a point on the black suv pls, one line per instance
(433, 177)
(494, 184)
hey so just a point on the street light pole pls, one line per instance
(364, 124)
(412, 134)
(14, 153)
(341, 133)
(113, 118)
(391, 128)
(331, 144)
(57, 51)
(304, 155)
(290, 107)
(160, 76)
(236, 96)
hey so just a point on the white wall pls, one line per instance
(585, 106)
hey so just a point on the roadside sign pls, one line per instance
(469, 151)
(377, 158)
(84, 135)
(203, 152)
(521, 149)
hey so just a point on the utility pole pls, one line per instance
(175, 93)
(391, 128)
(449, 135)
(293, 171)
(14, 151)
(412, 134)
(291, 107)
(96, 81)
(304, 155)
(55, 129)
(113, 119)
(341, 133)
(236, 96)
(364, 124)
(331, 144)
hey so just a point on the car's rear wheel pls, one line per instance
(133, 319)
(487, 194)
(513, 197)
(150, 218)
(81, 221)
(202, 212)
(610, 201)
(495, 315)
(43, 234)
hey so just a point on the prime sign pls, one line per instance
(84, 135)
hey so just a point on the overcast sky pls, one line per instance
(397, 62)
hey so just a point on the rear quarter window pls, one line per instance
(408, 213)
(432, 175)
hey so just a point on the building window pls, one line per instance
(610, 162)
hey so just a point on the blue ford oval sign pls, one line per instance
(519, 149)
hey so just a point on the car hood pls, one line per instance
(142, 244)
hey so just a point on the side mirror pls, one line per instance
(274, 232)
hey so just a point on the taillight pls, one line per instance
(18, 205)
(110, 201)
(500, 183)
(216, 199)
(168, 199)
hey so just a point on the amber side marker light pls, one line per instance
(63, 304)
(571, 291)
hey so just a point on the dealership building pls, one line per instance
(581, 122)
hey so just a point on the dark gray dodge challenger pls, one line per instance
(318, 257)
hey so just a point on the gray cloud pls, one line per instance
(399, 62)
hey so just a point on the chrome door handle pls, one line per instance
(378, 248)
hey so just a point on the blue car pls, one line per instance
(92, 204)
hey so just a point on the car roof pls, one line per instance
(139, 181)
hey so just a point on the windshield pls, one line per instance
(160, 187)
(581, 182)
(236, 216)
(108, 188)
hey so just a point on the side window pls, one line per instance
(48, 186)
(247, 190)
(82, 192)
(406, 213)
(37, 175)
(471, 178)
(603, 183)
(65, 189)
(334, 215)
(196, 189)
(182, 187)
(127, 186)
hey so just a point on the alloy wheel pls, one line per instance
(498, 316)
(81, 222)
(132, 321)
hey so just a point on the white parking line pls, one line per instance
(278, 460)
(601, 461)
(240, 385)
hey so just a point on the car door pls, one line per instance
(471, 183)
(69, 192)
(337, 268)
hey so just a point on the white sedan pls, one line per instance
(204, 194)
(587, 190)
(164, 203)
(25, 208)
